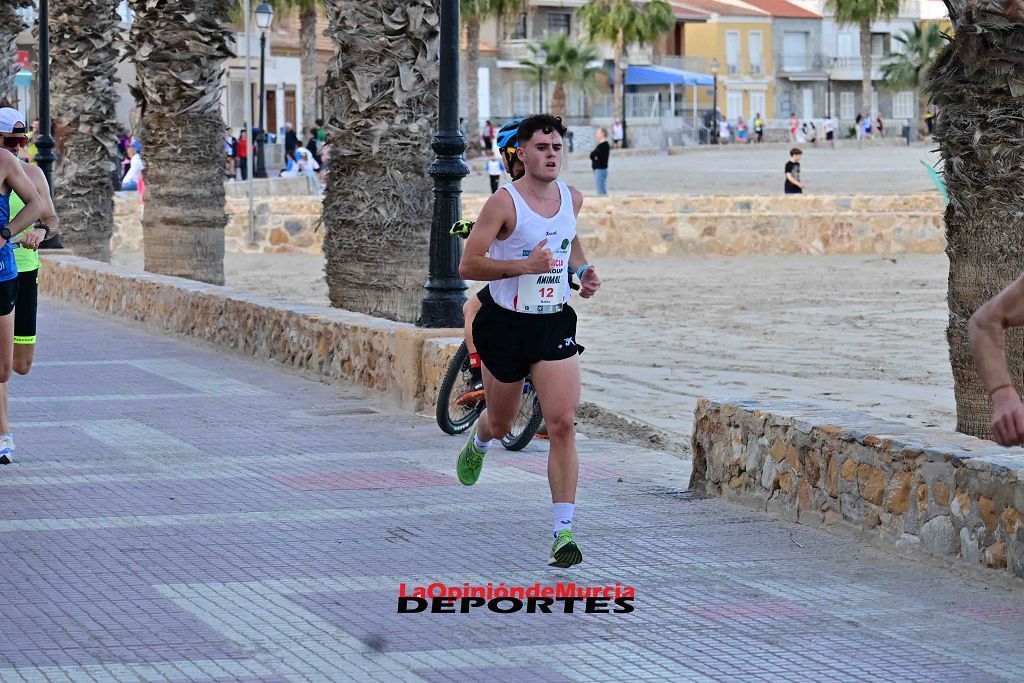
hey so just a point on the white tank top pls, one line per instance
(545, 293)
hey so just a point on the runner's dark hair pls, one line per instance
(545, 123)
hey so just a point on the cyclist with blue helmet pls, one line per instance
(508, 143)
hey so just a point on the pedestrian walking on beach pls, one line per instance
(759, 127)
(488, 136)
(243, 154)
(230, 154)
(291, 141)
(617, 134)
(599, 161)
(494, 170)
(879, 126)
(793, 184)
(724, 132)
(794, 124)
(858, 127)
(130, 182)
(830, 133)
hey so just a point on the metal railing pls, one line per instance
(516, 49)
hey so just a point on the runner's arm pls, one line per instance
(498, 211)
(15, 178)
(986, 332)
(49, 215)
(590, 282)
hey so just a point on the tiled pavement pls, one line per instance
(179, 514)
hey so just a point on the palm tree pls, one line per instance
(862, 13)
(473, 12)
(179, 49)
(381, 105)
(307, 11)
(11, 25)
(976, 83)
(566, 63)
(85, 50)
(624, 23)
(909, 69)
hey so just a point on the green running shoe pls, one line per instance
(471, 461)
(565, 552)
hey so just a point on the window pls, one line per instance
(807, 100)
(559, 22)
(522, 98)
(757, 104)
(755, 42)
(844, 45)
(794, 51)
(734, 104)
(903, 105)
(847, 110)
(732, 52)
(878, 44)
(515, 29)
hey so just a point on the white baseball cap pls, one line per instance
(11, 122)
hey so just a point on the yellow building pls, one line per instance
(738, 36)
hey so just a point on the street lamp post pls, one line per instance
(542, 58)
(828, 82)
(625, 70)
(714, 103)
(264, 18)
(44, 138)
(442, 305)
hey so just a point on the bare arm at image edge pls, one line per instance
(987, 334)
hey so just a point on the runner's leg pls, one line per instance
(6, 361)
(469, 311)
(558, 388)
(25, 321)
(503, 401)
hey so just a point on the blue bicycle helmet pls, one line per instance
(508, 136)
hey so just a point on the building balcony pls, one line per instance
(694, 64)
(850, 69)
(807, 64)
(516, 49)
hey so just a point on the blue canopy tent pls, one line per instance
(662, 75)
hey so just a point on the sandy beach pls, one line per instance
(858, 332)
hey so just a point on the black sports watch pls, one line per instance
(5, 233)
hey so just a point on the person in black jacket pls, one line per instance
(314, 146)
(599, 161)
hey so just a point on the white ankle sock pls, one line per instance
(482, 445)
(562, 514)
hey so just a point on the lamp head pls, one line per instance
(264, 15)
(714, 66)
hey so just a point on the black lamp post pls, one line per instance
(828, 82)
(625, 71)
(264, 18)
(44, 140)
(714, 103)
(542, 58)
(442, 305)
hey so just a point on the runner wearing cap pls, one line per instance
(525, 244)
(13, 178)
(27, 257)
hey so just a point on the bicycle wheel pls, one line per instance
(527, 422)
(454, 417)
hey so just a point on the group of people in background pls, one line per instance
(300, 159)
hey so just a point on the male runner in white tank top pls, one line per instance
(525, 326)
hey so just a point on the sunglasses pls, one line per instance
(14, 142)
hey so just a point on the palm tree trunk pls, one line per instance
(382, 102)
(10, 26)
(85, 50)
(558, 100)
(620, 78)
(980, 131)
(865, 65)
(182, 133)
(472, 85)
(307, 40)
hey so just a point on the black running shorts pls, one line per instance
(509, 343)
(8, 295)
(25, 311)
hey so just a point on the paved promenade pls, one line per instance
(179, 514)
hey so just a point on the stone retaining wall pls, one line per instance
(640, 225)
(331, 343)
(915, 491)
